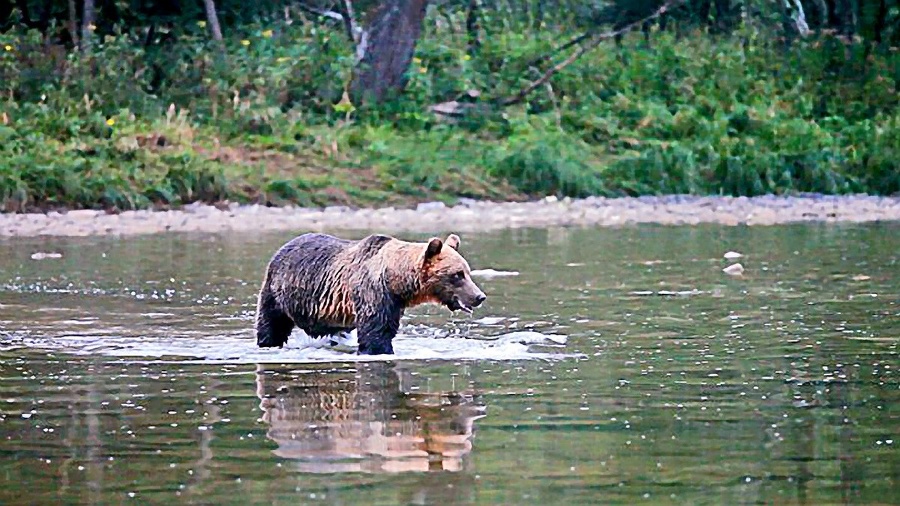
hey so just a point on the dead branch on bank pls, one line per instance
(592, 42)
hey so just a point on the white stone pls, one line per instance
(734, 270)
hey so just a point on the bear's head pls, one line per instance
(446, 278)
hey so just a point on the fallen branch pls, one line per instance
(594, 41)
(326, 14)
(344, 14)
(573, 42)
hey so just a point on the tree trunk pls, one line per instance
(386, 49)
(845, 11)
(24, 11)
(727, 16)
(73, 23)
(821, 13)
(879, 24)
(474, 43)
(349, 15)
(213, 19)
(795, 18)
(87, 24)
(44, 20)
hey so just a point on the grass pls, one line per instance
(130, 164)
(699, 115)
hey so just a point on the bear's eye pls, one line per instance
(459, 275)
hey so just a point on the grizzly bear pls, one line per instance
(373, 418)
(328, 286)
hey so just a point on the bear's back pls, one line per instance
(312, 277)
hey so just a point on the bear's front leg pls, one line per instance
(376, 346)
(377, 319)
(273, 326)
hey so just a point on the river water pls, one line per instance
(620, 365)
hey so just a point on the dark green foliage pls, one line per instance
(539, 159)
(177, 119)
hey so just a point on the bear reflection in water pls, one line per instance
(372, 419)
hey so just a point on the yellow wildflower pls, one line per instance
(8, 47)
(417, 60)
(110, 122)
(422, 70)
(267, 33)
(281, 59)
(467, 57)
(245, 42)
(201, 24)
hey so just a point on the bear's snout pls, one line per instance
(466, 299)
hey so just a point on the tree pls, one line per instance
(386, 48)
(213, 20)
(87, 24)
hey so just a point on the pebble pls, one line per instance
(430, 206)
(734, 270)
(467, 216)
(83, 214)
(43, 256)
(492, 273)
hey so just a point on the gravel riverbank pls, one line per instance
(467, 216)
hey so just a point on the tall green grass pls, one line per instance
(126, 127)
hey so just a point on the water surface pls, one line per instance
(129, 373)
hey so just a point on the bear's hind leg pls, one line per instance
(273, 326)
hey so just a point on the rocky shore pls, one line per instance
(466, 216)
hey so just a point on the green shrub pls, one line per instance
(132, 125)
(541, 160)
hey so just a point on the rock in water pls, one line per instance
(531, 337)
(43, 256)
(734, 270)
(492, 273)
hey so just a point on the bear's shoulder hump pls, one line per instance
(372, 244)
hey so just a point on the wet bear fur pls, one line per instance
(326, 286)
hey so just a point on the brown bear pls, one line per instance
(328, 286)
(373, 418)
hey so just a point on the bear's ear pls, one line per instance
(433, 248)
(452, 241)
